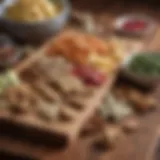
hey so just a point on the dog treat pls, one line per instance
(111, 135)
(138, 100)
(48, 112)
(130, 125)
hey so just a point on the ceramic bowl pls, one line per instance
(37, 31)
(145, 81)
(120, 21)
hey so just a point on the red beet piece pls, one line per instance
(134, 25)
(89, 76)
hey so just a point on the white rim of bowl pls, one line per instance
(124, 18)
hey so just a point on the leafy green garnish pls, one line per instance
(148, 65)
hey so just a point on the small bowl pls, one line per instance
(144, 81)
(149, 25)
(35, 32)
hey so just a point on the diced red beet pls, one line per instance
(134, 25)
(89, 76)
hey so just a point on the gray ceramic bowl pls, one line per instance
(35, 32)
(145, 81)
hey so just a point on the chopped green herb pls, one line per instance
(147, 65)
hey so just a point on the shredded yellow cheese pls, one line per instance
(32, 10)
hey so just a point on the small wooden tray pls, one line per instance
(29, 126)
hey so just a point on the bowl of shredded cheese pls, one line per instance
(34, 20)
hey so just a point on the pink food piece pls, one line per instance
(134, 25)
(89, 75)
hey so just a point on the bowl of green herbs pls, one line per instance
(143, 68)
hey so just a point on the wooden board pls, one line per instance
(28, 126)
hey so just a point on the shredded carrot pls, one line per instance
(76, 46)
